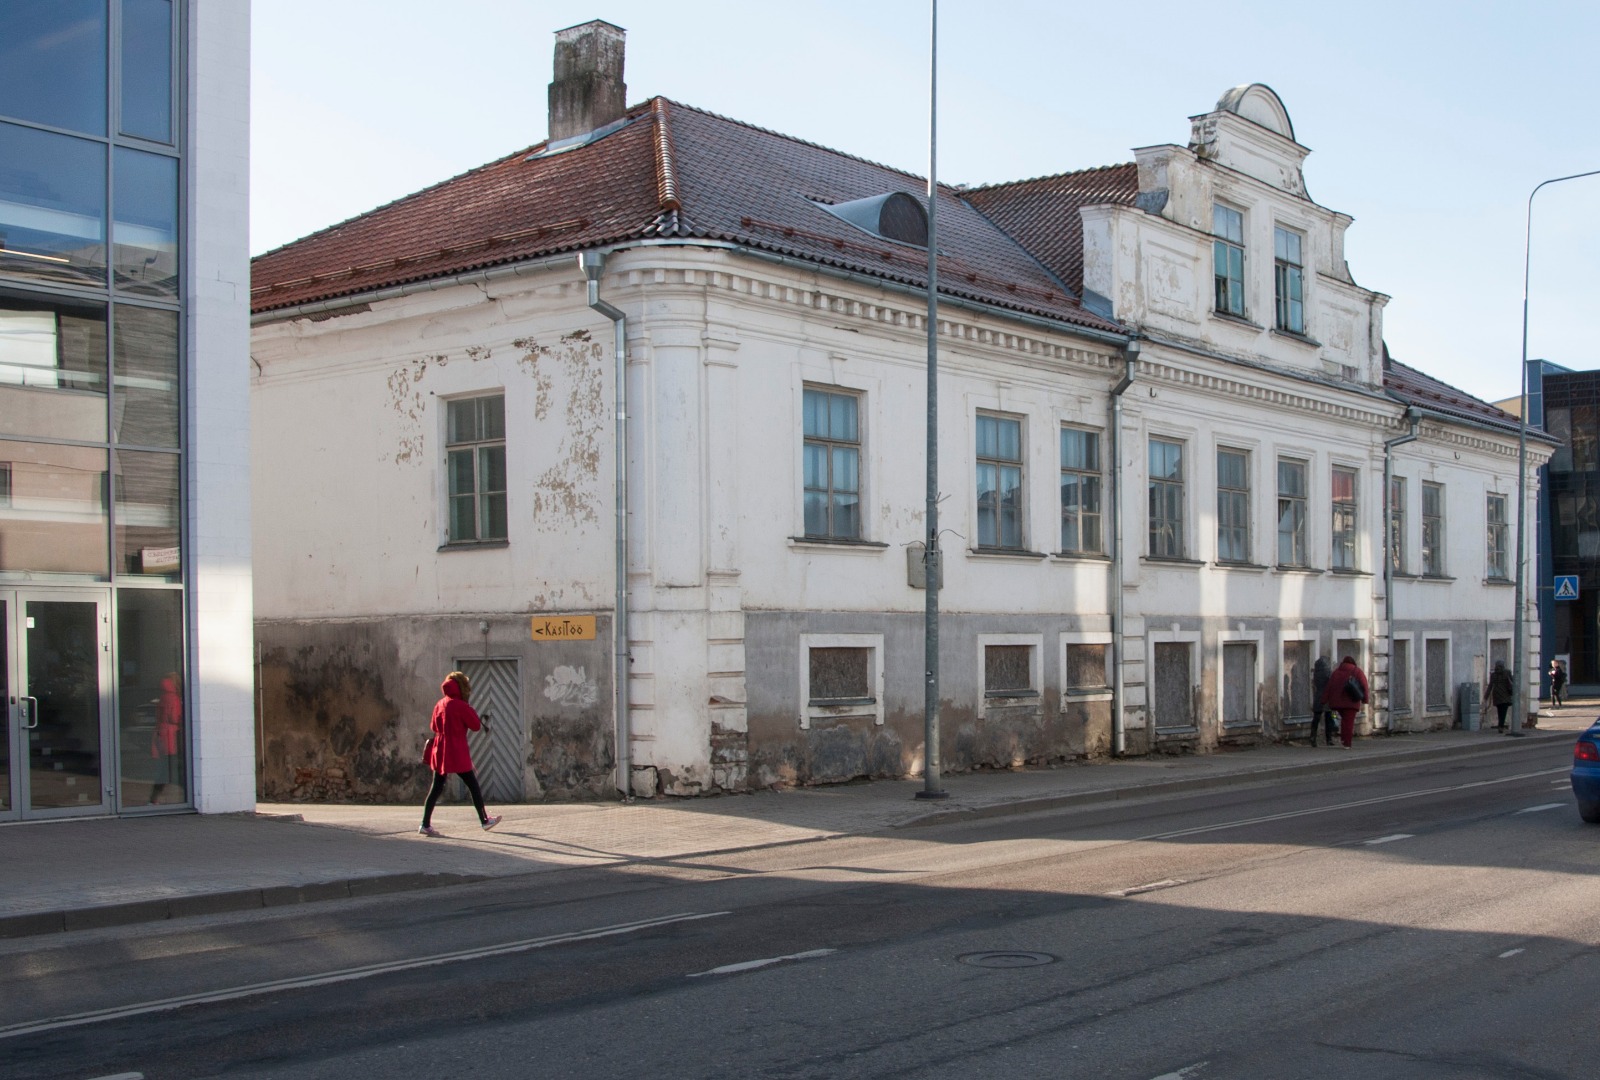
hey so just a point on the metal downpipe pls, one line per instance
(1119, 736)
(593, 264)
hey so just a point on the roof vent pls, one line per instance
(893, 216)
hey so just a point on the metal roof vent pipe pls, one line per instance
(588, 91)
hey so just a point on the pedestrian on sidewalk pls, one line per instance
(1500, 692)
(165, 750)
(1346, 692)
(447, 751)
(1558, 682)
(1321, 715)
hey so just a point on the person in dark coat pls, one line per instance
(447, 751)
(1500, 691)
(1346, 692)
(1558, 682)
(1321, 715)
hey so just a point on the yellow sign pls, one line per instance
(563, 628)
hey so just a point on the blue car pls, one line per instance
(1586, 773)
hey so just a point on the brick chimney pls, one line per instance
(588, 91)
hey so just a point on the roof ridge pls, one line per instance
(1050, 176)
(666, 155)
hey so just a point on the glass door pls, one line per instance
(57, 667)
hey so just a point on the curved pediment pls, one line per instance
(1260, 104)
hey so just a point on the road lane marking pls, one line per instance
(751, 965)
(1541, 806)
(1509, 953)
(1184, 1073)
(1151, 887)
(1286, 815)
(1389, 839)
(366, 971)
(121, 1076)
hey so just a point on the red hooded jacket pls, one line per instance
(169, 717)
(452, 718)
(1334, 696)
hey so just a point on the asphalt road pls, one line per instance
(1402, 922)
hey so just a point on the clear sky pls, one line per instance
(1429, 122)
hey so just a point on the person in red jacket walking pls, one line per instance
(165, 750)
(1346, 692)
(447, 751)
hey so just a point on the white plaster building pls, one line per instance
(125, 587)
(434, 399)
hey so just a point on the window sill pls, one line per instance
(1081, 556)
(1074, 696)
(831, 706)
(1018, 697)
(1313, 570)
(1006, 553)
(1237, 320)
(1338, 572)
(1241, 725)
(1499, 582)
(1437, 579)
(1190, 731)
(1298, 339)
(1401, 575)
(476, 545)
(1254, 568)
(826, 543)
(1167, 560)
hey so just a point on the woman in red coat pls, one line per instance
(447, 751)
(1339, 698)
(164, 746)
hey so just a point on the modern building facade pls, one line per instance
(124, 483)
(629, 425)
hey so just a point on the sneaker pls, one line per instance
(428, 830)
(491, 823)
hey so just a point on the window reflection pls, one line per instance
(147, 514)
(147, 69)
(152, 717)
(52, 369)
(53, 63)
(145, 411)
(145, 233)
(52, 206)
(56, 520)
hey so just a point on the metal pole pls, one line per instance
(1520, 698)
(931, 786)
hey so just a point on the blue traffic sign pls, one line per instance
(1566, 586)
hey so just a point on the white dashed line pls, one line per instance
(1185, 1073)
(121, 1076)
(1509, 953)
(1541, 806)
(1388, 839)
(751, 965)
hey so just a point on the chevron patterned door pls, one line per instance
(497, 751)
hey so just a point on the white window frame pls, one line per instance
(1441, 567)
(1284, 270)
(1035, 672)
(1410, 641)
(1218, 240)
(478, 493)
(1099, 475)
(1449, 661)
(1185, 484)
(1249, 501)
(1304, 461)
(1504, 525)
(1356, 561)
(872, 642)
(1224, 637)
(1069, 694)
(1396, 541)
(1191, 638)
(1023, 480)
(860, 445)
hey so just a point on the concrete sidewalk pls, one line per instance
(80, 874)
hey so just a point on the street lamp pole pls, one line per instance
(1518, 681)
(932, 568)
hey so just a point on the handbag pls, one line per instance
(1352, 689)
(427, 750)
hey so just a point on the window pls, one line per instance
(1344, 518)
(1080, 490)
(999, 482)
(475, 452)
(1288, 280)
(1400, 676)
(832, 464)
(1499, 531)
(1437, 658)
(1174, 697)
(1296, 702)
(1008, 670)
(1239, 684)
(1291, 512)
(1086, 667)
(1233, 506)
(5, 483)
(1166, 499)
(1227, 254)
(1397, 524)
(1433, 530)
(841, 678)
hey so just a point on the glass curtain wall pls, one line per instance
(91, 348)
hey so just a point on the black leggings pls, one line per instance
(468, 778)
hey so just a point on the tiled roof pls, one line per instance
(1043, 213)
(1424, 391)
(669, 171)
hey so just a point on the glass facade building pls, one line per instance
(97, 488)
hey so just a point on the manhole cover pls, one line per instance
(1007, 959)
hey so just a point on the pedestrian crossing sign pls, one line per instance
(1566, 586)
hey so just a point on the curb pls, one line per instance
(216, 903)
(1201, 783)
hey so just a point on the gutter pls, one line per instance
(1130, 359)
(1414, 415)
(593, 264)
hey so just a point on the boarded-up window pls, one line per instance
(1500, 652)
(1008, 669)
(1173, 700)
(1296, 679)
(1437, 659)
(1239, 682)
(1086, 667)
(841, 675)
(1400, 676)
(1344, 647)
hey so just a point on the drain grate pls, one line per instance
(1007, 959)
